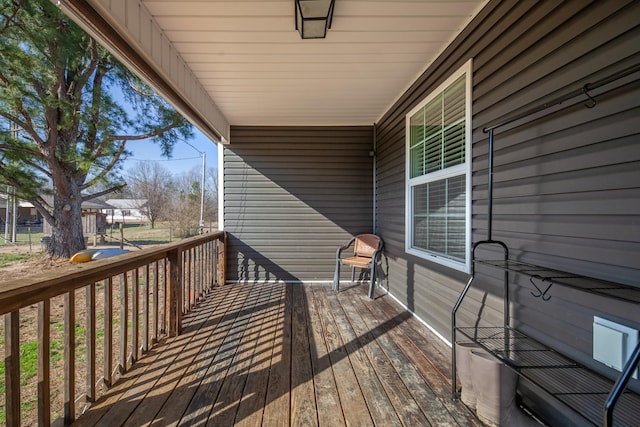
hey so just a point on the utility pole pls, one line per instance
(14, 237)
(11, 217)
(14, 207)
(204, 165)
(7, 212)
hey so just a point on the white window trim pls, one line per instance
(452, 171)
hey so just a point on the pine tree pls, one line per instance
(72, 107)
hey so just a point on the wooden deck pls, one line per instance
(280, 355)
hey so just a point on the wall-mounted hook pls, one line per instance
(592, 100)
(541, 294)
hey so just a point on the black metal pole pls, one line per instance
(559, 100)
(490, 188)
(619, 387)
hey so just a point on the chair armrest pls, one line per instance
(340, 249)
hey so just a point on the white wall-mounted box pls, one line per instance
(613, 343)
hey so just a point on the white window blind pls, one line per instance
(438, 173)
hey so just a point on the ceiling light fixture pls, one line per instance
(313, 18)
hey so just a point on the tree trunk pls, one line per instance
(66, 235)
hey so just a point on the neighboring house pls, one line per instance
(27, 213)
(94, 221)
(126, 211)
(294, 187)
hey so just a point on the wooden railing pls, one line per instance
(94, 321)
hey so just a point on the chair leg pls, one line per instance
(353, 274)
(372, 285)
(336, 277)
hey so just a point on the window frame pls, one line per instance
(452, 171)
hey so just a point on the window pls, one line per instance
(438, 181)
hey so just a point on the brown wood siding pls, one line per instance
(567, 181)
(292, 196)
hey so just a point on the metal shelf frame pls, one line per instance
(593, 396)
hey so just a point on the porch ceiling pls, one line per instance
(248, 57)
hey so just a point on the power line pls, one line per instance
(163, 160)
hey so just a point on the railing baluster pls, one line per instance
(175, 292)
(108, 331)
(156, 287)
(44, 366)
(154, 305)
(192, 290)
(206, 267)
(187, 282)
(69, 357)
(213, 260)
(124, 320)
(145, 310)
(222, 260)
(201, 279)
(216, 261)
(198, 279)
(135, 314)
(165, 296)
(12, 367)
(91, 342)
(192, 277)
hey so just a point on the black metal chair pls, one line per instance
(366, 248)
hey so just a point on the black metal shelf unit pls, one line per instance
(590, 394)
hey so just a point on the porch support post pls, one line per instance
(175, 294)
(222, 259)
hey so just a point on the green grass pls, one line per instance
(29, 360)
(142, 234)
(29, 369)
(6, 259)
(23, 236)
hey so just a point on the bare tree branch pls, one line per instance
(44, 210)
(9, 20)
(103, 192)
(107, 168)
(5, 147)
(146, 135)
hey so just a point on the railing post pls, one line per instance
(175, 292)
(222, 257)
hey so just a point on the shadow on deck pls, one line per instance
(289, 355)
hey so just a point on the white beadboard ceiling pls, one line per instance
(250, 60)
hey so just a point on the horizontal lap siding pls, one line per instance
(292, 196)
(566, 183)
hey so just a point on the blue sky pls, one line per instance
(185, 157)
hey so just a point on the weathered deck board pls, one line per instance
(353, 404)
(380, 407)
(255, 390)
(327, 399)
(288, 355)
(276, 407)
(426, 354)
